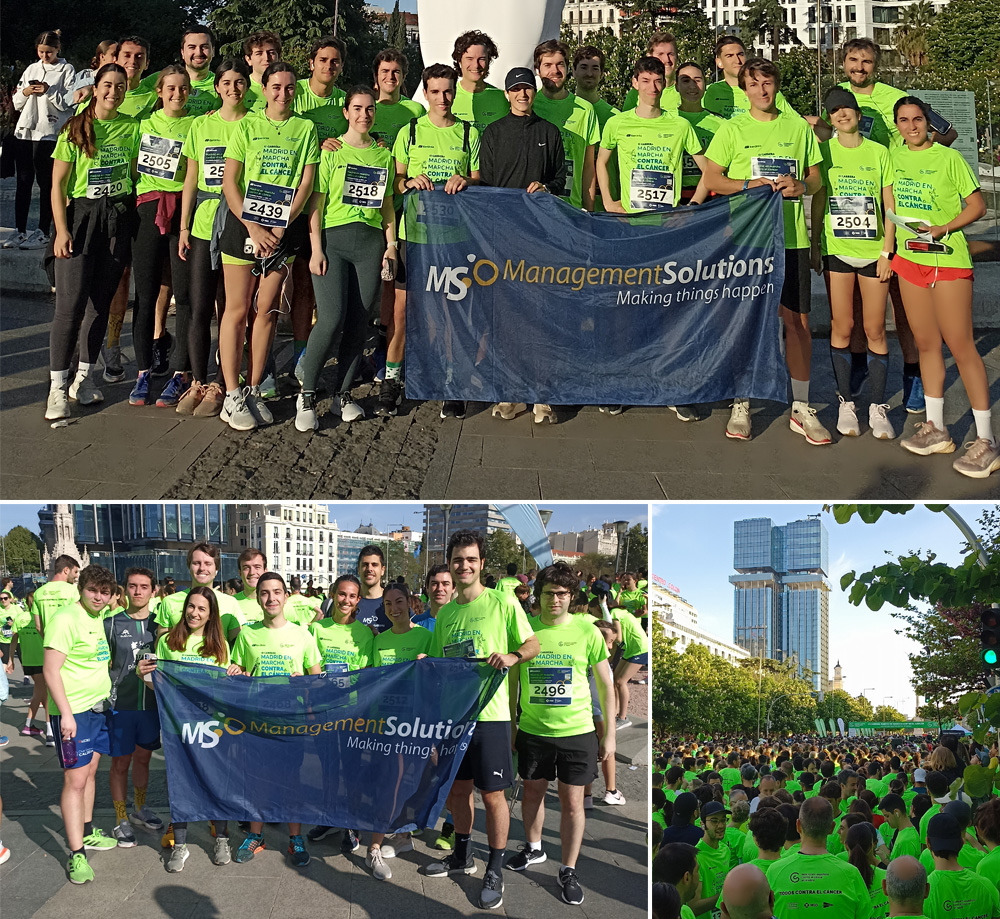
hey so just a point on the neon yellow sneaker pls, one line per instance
(79, 869)
(99, 840)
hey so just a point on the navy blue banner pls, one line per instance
(514, 297)
(373, 749)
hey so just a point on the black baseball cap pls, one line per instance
(712, 807)
(944, 834)
(519, 76)
(840, 98)
(685, 804)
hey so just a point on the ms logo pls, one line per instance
(204, 733)
(455, 282)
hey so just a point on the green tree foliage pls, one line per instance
(911, 33)
(396, 37)
(888, 713)
(620, 56)
(635, 549)
(798, 79)
(299, 23)
(767, 18)
(596, 564)
(20, 551)
(965, 36)
(501, 549)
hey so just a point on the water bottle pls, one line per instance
(69, 753)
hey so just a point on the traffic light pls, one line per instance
(989, 638)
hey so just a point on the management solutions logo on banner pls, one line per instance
(373, 749)
(676, 306)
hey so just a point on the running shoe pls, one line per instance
(803, 421)
(390, 394)
(4, 854)
(306, 419)
(4, 740)
(79, 869)
(57, 405)
(622, 723)
(447, 838)
(320, 832)
(453, 408)
(140, 392)
(124, 835)
(614, 797)
(176, 387)
(928, 439)
(542, 413)
(50, 741)
(14, 241)
(268, 387)
(178, 855)
(191, 399)
(36, 240)
(29, 730)
(235, 412)
(450, 864)
(255, 402)
(350, 842)
(297, 852)
(374, 860)
(981, 457)
(509, 410)
(211, 403)
(878, 421)
(847, 419)
(913, 394)
(572, 892)
(400, 844)
(588, 802)
(525, 856)
(491, 896)
(85, 392)
(111, 357)
(222, 854)
(99, 840)
(347, 408)
(613, 409)
(161, 355)
(686, 412)
(738, 427)
(144, 817)
(250, 847)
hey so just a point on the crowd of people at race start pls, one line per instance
(89, 645)
(857, 828)
(245, 191)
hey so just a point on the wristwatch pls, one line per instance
(517, 654)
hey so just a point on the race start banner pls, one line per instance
(514, 297)
(373, 749)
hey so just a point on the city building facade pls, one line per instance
(679, 620)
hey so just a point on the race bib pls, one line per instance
(434, 212)
(690, 166)
(107, 181)
(7, 633)
(364, 186)
(213, 165)
(570, 167)
(649, 188)
(865, 123)
(771, 167)
(159, 156)
(335, 667)
(550, 685)
(268, 205)
(853, 217)
(465, 648)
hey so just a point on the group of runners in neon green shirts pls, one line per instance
(96, 661)
(753, 829)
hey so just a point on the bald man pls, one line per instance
(746, 894)
(906, 887)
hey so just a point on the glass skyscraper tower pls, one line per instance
(781, 600)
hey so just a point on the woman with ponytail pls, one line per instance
(860, 844)
(93, 210)
(83, 85)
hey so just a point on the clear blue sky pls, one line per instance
(405, 6)
(565, 517)
(692, 548)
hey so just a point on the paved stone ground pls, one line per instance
(133, 882)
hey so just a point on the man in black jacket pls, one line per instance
(522, 150)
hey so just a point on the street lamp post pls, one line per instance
(770, 709)
(446, 510)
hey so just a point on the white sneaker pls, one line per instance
(738, 427)
(614, 798)
(35, 240)
(401, 844)
(236, 414)
(57, 405)
(305, 413)
(85, 392)
(14, 241)
(380, 870)
(878, 421)
(803, 421)
(255, 402)
(847, 419)
(347, 408)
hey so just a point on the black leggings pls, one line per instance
(346, 297)
(33, 160)
(150, 253)
(85, 286)
(204, 281)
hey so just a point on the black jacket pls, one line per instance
(516, 151)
